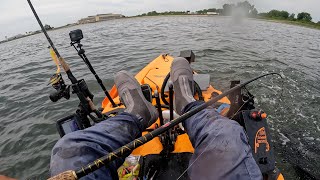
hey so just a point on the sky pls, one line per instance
(17, 18)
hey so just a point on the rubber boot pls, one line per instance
(183, 84)
(131, 96)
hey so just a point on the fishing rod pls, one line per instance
(76, 37)
(62, 61)
(126, 149)
(79, 87)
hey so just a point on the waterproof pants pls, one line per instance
(221, 147)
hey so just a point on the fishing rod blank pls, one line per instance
(83, 94)
(43, 29)
(126, 149)
(61, 60)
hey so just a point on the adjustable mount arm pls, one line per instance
(83, 56)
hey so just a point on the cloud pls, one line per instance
(16, 16)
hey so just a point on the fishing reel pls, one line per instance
(63, 90)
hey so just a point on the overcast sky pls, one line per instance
(16, 16)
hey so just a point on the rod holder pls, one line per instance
(171, 99)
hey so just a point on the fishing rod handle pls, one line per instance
(120, 152)
(67, 175)
(91, 105)
(93, 108)
(64, 64)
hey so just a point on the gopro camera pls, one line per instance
(76, 35)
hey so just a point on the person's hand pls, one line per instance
(6, 178)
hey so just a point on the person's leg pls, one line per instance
(221, 145)
(79, 148)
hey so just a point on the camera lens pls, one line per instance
(76, 35)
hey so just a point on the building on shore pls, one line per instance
(100, 17)
(89, 19)
(212, 13)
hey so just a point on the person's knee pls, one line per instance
(67, 153)
(70, 145)
(234, 134)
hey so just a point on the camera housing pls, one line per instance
(69, 124)
(76, 35)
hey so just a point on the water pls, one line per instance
(223, 48)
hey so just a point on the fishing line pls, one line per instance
(240, 108)
(282, 89)
(211, 141)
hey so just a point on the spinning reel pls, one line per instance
(63, 90)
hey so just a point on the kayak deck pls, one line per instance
(154, 74)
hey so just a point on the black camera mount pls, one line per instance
(76, 37)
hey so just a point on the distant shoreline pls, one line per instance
(38, 32)
(194, 15)
(75, 24)
(283, 21)
(296, 23)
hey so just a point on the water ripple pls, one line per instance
(225, 50)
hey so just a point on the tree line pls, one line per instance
(276, 14)
(244, 9)
(250, 11)
(155, 13)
